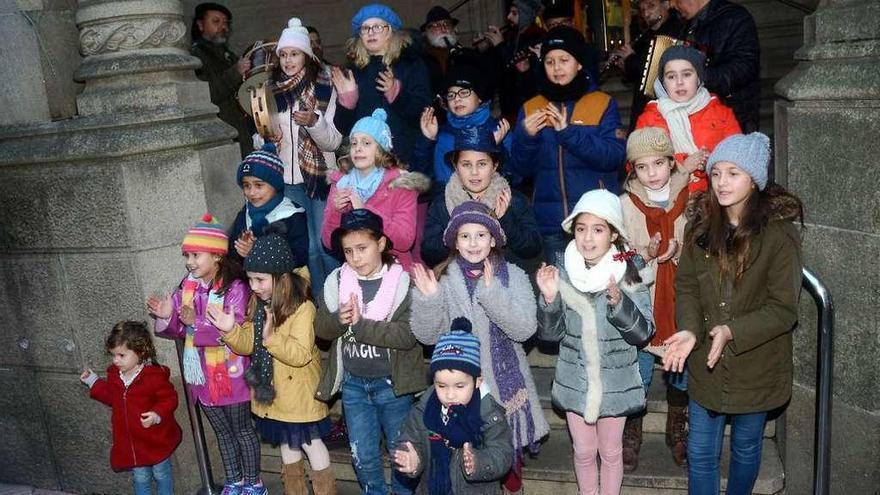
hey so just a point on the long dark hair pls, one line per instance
(312, 68)
(712, 231)
(136, 336)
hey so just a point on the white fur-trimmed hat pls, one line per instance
(295, 35)
(603, 204)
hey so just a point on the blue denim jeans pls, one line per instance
(705, 438)
(646, 371)
(143, 477)
(371, 409)
(321, 262)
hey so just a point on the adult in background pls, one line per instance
(726, 32)
(384, 72)
(221, 67)
(561, 13)
(316, 44)
(658, 19)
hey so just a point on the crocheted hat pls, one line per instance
(206, 236)
(604, 205)
(265, 165)
(295, 36)
(270, 254)
(378, 11)
(457, 350)
(376, 127)
(358, 219)
(568, 39)
(477, 138)
(473, 212)
(749, 152)
(648, 141)
(691, 54)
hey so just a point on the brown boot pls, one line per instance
(632, 443)
(676, 434)
(293, 476)
(323, 481)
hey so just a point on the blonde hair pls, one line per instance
(358, 55)
(384, 159)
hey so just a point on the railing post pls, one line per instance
(198, 432)
(825, 373)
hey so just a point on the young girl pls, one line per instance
(567, 138)
(654, 212)
(286, 364)
(696, 120)
(374, 359)
(597, 303)
(307, 137)
(143, 400)
(737, 291)
(212, 372)
(476, 282)
(476, 160)
(372, 178)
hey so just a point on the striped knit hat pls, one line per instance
(473, 212)
(265, 165)
(206, 236)
(457, 350)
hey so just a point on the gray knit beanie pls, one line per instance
(681, 52)
(749, 152)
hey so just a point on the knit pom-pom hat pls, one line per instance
(457, 350)
(206, 236)
(376, 127)
(265, 165)
(295, 36)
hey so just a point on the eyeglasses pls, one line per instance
(374, 29)
(461, 93)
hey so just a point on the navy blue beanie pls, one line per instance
(457, 350)
(265, 165)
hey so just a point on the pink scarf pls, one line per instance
(380, 307)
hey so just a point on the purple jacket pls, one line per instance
(207, 335)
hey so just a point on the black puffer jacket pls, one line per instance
(728, 33)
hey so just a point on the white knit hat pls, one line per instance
(601, 203)
(295, 36)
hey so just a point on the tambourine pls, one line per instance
(262, 56)
(262, 106)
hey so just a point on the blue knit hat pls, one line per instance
(457, 350)
(375, 127)
(265, 165)
(749, 152)
(270, 254)
(691, 54)
(378, 11)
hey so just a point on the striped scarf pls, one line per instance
(215, 373)
(309, 156)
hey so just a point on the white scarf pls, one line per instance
(676, 115)
(595, 279)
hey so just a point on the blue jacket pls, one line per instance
(580, 158)
(404, 113)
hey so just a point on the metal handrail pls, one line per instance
(198, 433)
(825, 372)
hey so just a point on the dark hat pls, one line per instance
(558, 8)
(466, 76)
(681, 52)
(203, 8)
(476, 138)
(265, 165)
(358, 219)
(270, 254)
(473, 212)
(438, 13)
(568, 39)
(457, 350)
(528, 11)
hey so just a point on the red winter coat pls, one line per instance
(709, 127)
(134, 445)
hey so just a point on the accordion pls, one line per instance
(658, 45)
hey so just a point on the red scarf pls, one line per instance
(660, 220)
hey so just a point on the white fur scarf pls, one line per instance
(593, 279)
(589, 348)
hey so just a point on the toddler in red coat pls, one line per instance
(143, 400)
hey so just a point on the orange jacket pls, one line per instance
(709, 127)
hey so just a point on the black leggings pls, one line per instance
(239, 445)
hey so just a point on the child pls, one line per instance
(476, 160)
(455, 442)
(372, 178)
(286, 364)
(497, 297)
(374, 359)
(597, 303)
(696, 120)
(261, 178)
(143, 400)
(308, 138)
(213, 373)
(736, 291)
(654, 213)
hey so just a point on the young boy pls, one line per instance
(456, 442)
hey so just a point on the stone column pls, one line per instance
(827, 124)
(92, 212)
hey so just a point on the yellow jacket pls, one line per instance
(296, 366)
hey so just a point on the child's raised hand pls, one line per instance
(245, 243)
(224, 322)
(385, 81)
(695, 161)
(406, 459)
(85, 375)
(428, 123)
(149, 418)
(501, 131)
(355, 310)
(679, 346)
(654, 245)
(160, 306)
(502, 202)
(613, 292)
(535, 122)
(468, 459)
(547, 278)
(268, 326)
(305, 117)
(558, 116)
(187, 315)
(343, 80)
(341, 200)
(425, 280)
(488, 272)
(355, 199)
(670, 252)
(345, 313)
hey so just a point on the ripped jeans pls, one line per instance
(372, 411)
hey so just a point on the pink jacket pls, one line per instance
(395, 201)
(207, 335)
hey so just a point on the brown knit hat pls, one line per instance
(648, 141)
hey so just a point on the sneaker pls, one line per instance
(232, 489)
(259, 489)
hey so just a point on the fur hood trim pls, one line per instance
(589, 348)
(455, 193)
(414, 181)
